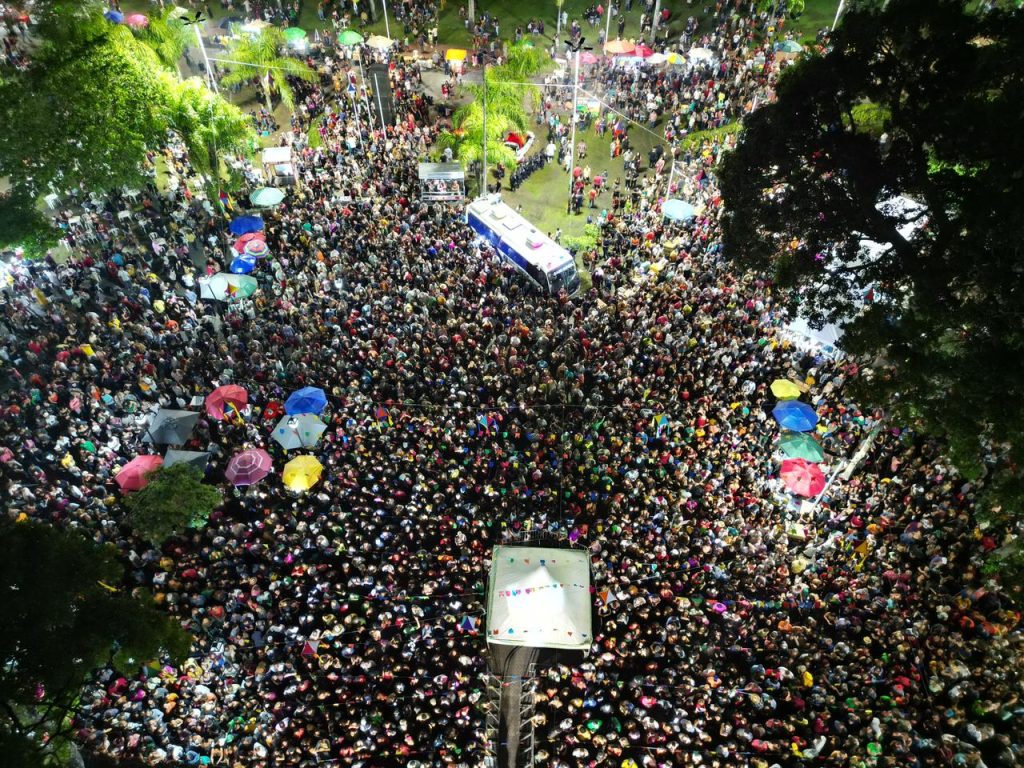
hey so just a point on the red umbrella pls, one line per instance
(132, 476)
(643, 51)
(248, 238)
(802, 477)
(249, 467)
(223, 397)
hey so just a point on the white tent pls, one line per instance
(539, 597)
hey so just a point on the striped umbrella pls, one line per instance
(257, 248)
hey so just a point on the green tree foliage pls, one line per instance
(22, 225)
(262, 58)
(175, 498)
(506, 96)
(85, 115)
(809, 179)
(207, 123)
(62, 616)
(167, 35)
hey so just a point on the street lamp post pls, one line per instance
(572, 118)
(387, 26)
(210, 79)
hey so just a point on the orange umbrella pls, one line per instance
(619, 46)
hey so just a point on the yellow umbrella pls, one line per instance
(454, 54)
(785, 390)
(302, 473)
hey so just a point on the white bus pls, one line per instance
(549, 265)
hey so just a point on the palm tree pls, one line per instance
(260, 59)
(167, 36)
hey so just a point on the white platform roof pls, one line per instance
(539, 597)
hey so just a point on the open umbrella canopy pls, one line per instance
(300, 431)
(240, 243)
(619, 46)
(789, 46)
(798, 445)
(455, 54)
(132, 476)
(170, 427)
(379, 42)
(795, 416)
(226, 400)
(802, 477)
(678, 210)
(115, 16)
(657, 58)
(588, 58)
(349, 37)
(137, 20)
(643, 51)
(243, 225)
(243, 265)
(302, 473)
(249, 467)
(227, 287)
(294, 34)
(305, 400)
(257, 248)
(700, 54)
(265, 197)
(197, 459)
(785, 390)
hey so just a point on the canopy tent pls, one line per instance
(278, 166)
(539, 597)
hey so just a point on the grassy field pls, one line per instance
(452, 32)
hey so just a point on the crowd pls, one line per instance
(464, 409)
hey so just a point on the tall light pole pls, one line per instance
(575, 99)
(483, 184)
(387, 26)
(839, 11)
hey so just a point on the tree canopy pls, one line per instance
(62, 616)
(922, 100)
(261, 58)
(174, 499)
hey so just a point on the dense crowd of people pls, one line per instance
(735, 626)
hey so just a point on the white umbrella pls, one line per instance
(300, 431)
(227, 287)
(700, 54)
(379, 42)
(657, 58)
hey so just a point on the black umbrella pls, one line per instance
(170, 427)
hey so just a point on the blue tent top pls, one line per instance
(678, 210)
(243, 225)
(305, 400)
(795, 416)
(243, 265)
(115, 16)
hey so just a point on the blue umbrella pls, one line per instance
(115, 16)
(243, 225)
(305, 400)
(678, 210)
(795, 416)
(243, 265)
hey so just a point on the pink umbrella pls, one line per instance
(802, 477)
(249, 467)
(132, 476)
(223, 398)
(588, 58)
(136, 20)
(643, 51)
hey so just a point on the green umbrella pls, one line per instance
(294, 34)
(349, 37)
(798, 445)
(266, 197)
(789, 46)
